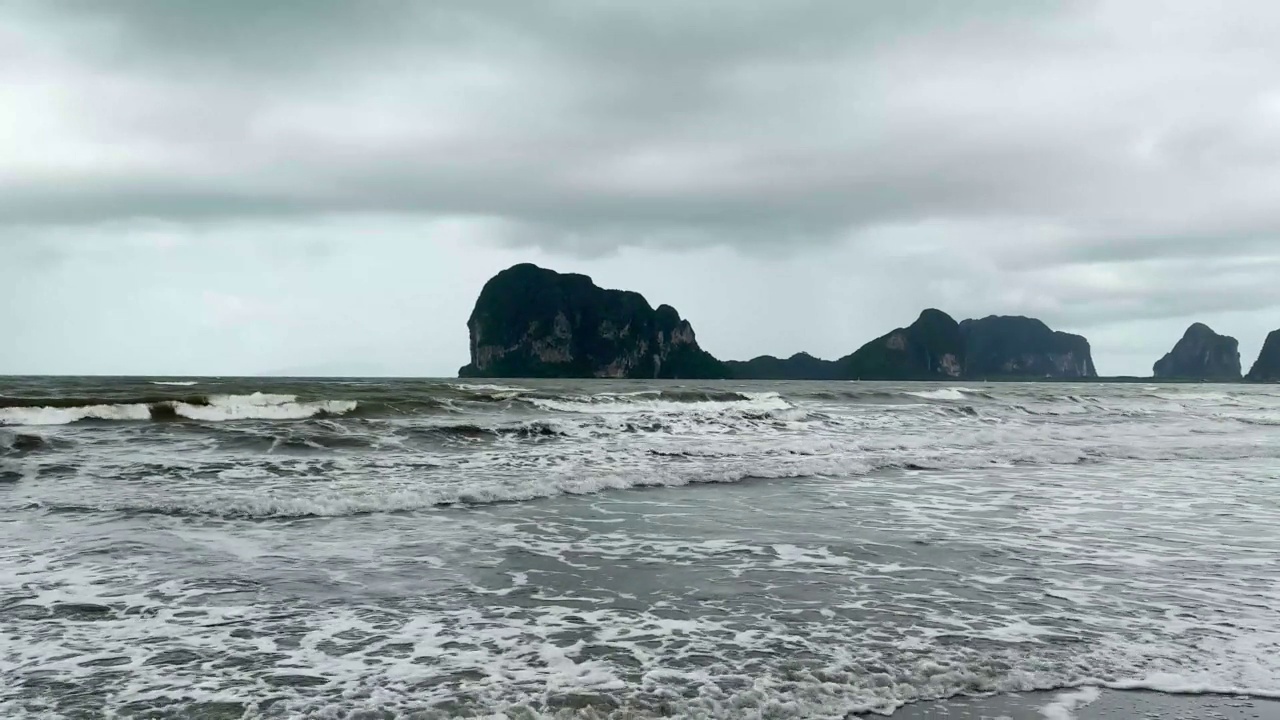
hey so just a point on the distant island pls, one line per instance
(1201, 354)
(531, 322)
(936, 347)
(1267, 368)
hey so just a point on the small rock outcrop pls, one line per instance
(1267, 368)
(931, 348)
(1015, 346)
(532, 322)
(1201, 354)
(801, 366)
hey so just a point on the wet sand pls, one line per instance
(1108, 705)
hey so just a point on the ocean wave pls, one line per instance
(50, 415)
(1174, 684)
(510, 481)
(1218, 397)
(263, 507)
(462, 400)
(661, 402)
(486, 387)
(261, 406)
(1262, 420)
(532, 429)
(74, 401)
(267, 406)
(176, 383)
(22, 444)
(959, 393)
(213, 408)
(305, 440)
(484, 392)
(540, 398)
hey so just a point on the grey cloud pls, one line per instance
(663, 123)
(647, 116)
(624, 34)
(1095, 163)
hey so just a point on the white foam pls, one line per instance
(1065, 704)
(791, 554)
(1218, 397)
(873, 654)
(635, 403)
(261, 407)
(347, 499)
(257, 399)
(258, 406)
(487, 388)
(64, 416)
(178, 383)
(941, 394)
(862, 594)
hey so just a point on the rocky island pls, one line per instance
(535, 323)
(1201, 354)
(1014, 346)
(801, 366)
(1267, 368)
(936, 347)
(931, 348)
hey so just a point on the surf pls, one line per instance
(212, 408)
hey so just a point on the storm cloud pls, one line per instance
(1110, 166)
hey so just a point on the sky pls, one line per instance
(322, 187)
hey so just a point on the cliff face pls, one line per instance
(533, 322)
(1011, 346)
(931, 348)
(1267, 368)
(1201, 354)
(801, 366)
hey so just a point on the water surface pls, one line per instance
(369, 548)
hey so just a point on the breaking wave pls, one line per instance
(212, 408)
(22, 444)
(666, 401)
(949, 393)
(460, 400)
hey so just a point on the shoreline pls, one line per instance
(1092, 703)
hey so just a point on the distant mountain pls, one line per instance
(1267, 368)
(931, 348)
(801, 366)
(1201, 354)
(1014, 346)
(533, 322)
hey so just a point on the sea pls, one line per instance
(372, 548)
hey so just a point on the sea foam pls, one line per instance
(215, 408)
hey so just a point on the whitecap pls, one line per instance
(615, 405)
(258, 406)
(261, 406)
(941, 394)
(65, 416)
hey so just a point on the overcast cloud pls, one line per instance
(243, 187)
